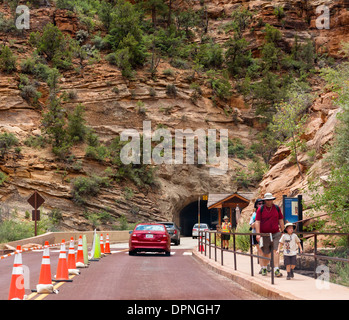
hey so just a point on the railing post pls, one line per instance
(209, 244)
(234, 247)
(215, 246)
(272, 258)
(315, 255)
(205, 240)
(221, 250)
(251, 252)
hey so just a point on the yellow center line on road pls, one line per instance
(43, 295)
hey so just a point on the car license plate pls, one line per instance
(149, 236)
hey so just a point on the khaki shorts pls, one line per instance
(266, 244)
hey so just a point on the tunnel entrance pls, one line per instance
(189, 216)
(212, 211)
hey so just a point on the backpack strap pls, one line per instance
(277, 208)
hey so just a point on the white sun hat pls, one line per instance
(268, 196)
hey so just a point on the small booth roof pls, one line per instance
(215, 200)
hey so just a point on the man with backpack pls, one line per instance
(269, 219)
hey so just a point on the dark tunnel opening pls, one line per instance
(189, 216)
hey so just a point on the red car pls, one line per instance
(151, 237)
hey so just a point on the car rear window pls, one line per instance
(168, 225)
(202, 225)
(146, 227)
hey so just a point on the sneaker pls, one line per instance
(278, 273)
(289, 277)
(264, 272)
(291, 274)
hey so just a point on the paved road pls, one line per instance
(142, 277)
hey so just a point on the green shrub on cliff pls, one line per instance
(7, 141)
(86, 187)
(7, 60)
(54, 46)
(3, 178)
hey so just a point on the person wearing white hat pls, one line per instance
(291, 243)
(226, 228)
(269, 219)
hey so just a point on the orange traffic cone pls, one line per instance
(80, 262)
(71, 259)
(17, 279)
(107, 245)
(45, 272)
(62, 267)
(102, 244)
(45, 283)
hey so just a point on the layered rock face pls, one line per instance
(112, 105)
(109, 113)
(306, 20)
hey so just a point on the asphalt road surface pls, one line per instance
(142, 277)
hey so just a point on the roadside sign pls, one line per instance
(293, 210)
(36, 201)
(36, 215)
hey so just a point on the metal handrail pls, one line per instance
(271, 259)
(315, 255)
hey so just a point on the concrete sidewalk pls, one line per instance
(299, 288)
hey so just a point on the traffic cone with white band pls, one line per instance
(80, 255)
(17, 279)
(62, 267)
(71, 259)
(102, 245)
(107, 245)
(45, 283)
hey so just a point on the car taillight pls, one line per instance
(164, 236)
(205, 229)
(175, 232)
(134, 235)
(195, 229)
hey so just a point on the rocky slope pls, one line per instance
(283, 177)
(109, 111)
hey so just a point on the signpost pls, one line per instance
(204, 197)
(293, 210)
(36, 202)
